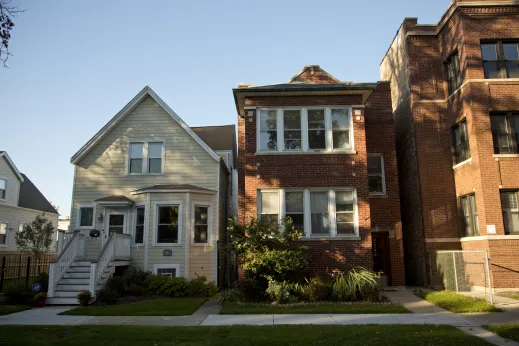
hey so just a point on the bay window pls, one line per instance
(167, 224)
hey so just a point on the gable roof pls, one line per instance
(11, 163)
(314, 74)
(32, 198)
(147, 91)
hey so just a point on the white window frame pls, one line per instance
(284, 206)
(510, 210)
(156, 268)
(6, 234)
(307, 212)
(6, 187)
(209, 207)
(145, 143)
(384, 192)
(156, 222)
(114, 212)
(78, 215)
(134, 228)
(304, 130)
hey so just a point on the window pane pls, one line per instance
(269, 203)
(3, 184)
(319, 209)
(168, 214)
(510, 51)
(270, 219)
(294, 202)
(375, 184)
(3, 233)
(320, 223)
(316, 129)
(292, 119)
(268, 140)
(509, 200)
(86, 216)
(201, 215)
(167, 234)
(317, 139)
(298, 221)
(341, 139)
(374, 164)
(140, 216)
(488, 51)
(139, 234)
(155, 165)
(201, 234)
(136, 150)
(292, 140)
(135, 165)
(268, 133)
(512, 69)
(511, 222)
(116, 220)
(154, 150)
(340, 119)
(316, 119)
(268, 119)
(491, 69)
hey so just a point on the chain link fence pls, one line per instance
(462, 271)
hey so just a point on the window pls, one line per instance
(461, 142)
(303, 129)
(3, 234)
(469, 215)
(320, 217)
(294, 208)
(341, 128)
(510, 207)
(86, 217)
(167, 225)
(139, 225)
(505, 132)
(452, 66)
(21, 226)
(146, 157)
(344, 212)
(170, 270)
(316, 129)
(376, 176)
(201, 235)
(269, 206)
(3, 189)
(500, 59)
(268, 130)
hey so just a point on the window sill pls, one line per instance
(167, 245)
(462, 163)
(491, 237)
(313, 238)
(501, 156)
(319, 152)
(378, 195)
(145, 174)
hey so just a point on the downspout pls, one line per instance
(188, 227)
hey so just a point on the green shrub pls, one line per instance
(317, 290)
(43, 280)
(115, 284)
(281, 293)
(154, 283)
(232, 295)
(357, 284)
(174, 287)
(200, 287)
(135, 290)
(20, 295)
(252, 290)
(108, 296)
(135, 276)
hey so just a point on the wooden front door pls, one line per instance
(381, 258)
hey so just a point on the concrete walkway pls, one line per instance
(503, 303)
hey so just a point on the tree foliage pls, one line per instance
(7, 13)
(268, 250)
(36, 237)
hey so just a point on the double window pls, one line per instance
(452, 65)
(461, 142)
(376, 176)
(510, 207)
(167, 224)
(316, 212)
(505, 132)
(304, 129)
(469, 215)
(3, 189)
(500, 59)
(86, 216)
(139, 225)
(146, 157)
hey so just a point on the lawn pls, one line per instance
(242, 335)
(152, 307)
(335, 308)
(456, 302)
(509, 331)
(11, 309)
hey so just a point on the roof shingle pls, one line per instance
(32, 198)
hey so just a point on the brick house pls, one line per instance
(325, 156)
(455, 97)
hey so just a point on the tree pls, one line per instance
(268, 250)
(36, 237)
(7, 13)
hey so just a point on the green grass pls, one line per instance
(512, 296)
(508, 331)
(152, 307)
(335, 308)
(11, 309)
(456, 302)
(236, 335)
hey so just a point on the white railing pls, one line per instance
(123, 244)
(73, 250)
(105, 258)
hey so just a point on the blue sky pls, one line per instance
(75, 64)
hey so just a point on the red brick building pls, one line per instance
(455, 96)
(322, 151)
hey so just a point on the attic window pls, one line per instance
(146, 158)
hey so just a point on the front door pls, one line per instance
(115, 222)
(381, 259)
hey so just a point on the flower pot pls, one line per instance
(84, 302)
(40, 303)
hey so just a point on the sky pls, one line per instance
(75, 64)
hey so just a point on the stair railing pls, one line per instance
(97, 268)
(73, 250)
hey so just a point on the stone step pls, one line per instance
(61, 301)
(68, 288)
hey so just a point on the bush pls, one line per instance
(281, 293)
(200, 287)
(252, 290)
(174, 287)
(108, 297)
(115, 284)
(136, 276)
(232, 295)
(135, 290)
(43, 280)
(19, 295)
(317, 290)
(154, 283)
(357, 284)
(83, 297)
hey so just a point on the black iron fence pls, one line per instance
(22, 270)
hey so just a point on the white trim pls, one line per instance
(13, 166)
(188, 226)
(502, 156)
(147, 220)
(155, 223)
(78, 215)
(491, 237)
(6, 234)
(212, 192)
(384, 191)
(463, 163)
(209, 207)
(310, 152)
(167, 266)
(442, 240)
(134, 226)
(147, 91)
